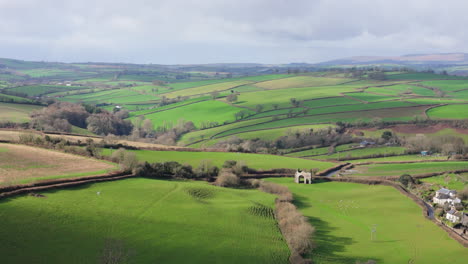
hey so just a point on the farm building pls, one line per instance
(366, 143)
(454, 216)
(443, 196)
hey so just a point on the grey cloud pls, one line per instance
(203, 31)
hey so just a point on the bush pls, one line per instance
(295, 227)
(439, 212)
(229, 164)
(227, 179)
(406, 179)
(127, 160)
(463, 195)
(284, 195)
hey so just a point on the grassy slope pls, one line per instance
(344, 214)
(442, 132)
(449, 112)
(16, 112)
(157, 220)
(198, 113)
(301, 81)
(364, 152)
(451, 181)
(21, 164)
(268, 134)
(410, 168)
(256, 161)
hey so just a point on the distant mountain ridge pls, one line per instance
(411, 59)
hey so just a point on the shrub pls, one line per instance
(295, 227)
(406, 179)
(229, 164)
(127, 160)
(227, 179)
(284, 195)
(463, 195)
(439, 212)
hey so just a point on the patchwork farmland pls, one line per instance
(178, 132)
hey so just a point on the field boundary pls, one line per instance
(60, 183)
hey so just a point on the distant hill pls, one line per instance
(411, 59)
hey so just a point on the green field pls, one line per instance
(449, 112)
(451, 181)
(345, 213)
(37, 90)
(199, 113)
(16, 112)
(363, 152)
(207, 88)
(409, 168)
(256, 161)
(441, 132)
(448, 86)
(157, 221)
(319, 151)
(401, 158)
(301, 81)
(420, 76)
(267, 134)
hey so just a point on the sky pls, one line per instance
(234, 31)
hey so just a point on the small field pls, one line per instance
(344, 215)
(451, 181)
(21, 164)
(256, 161)
(18, 113)
(363, 152)
(449, 112)
(154, 221)
(380, 170)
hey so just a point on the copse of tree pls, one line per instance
(377, 75)
(106, 123)
(173, 169)
(59, 117)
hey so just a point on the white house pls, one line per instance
(443, 196)
(454, 216)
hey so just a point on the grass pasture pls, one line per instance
(301, 81)
(37, 90)
(451, 181)
(380, 170)
(17, 113)
(447, 86)
(23, 164)
(198, 113)
(363, 152)
(256, 161)
(459, 111)
(207, 89)
(345, 213)
(156, 221)
(267, 134)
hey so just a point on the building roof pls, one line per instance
(452, 211)
(445, 191)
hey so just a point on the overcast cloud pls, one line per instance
(207, 31)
